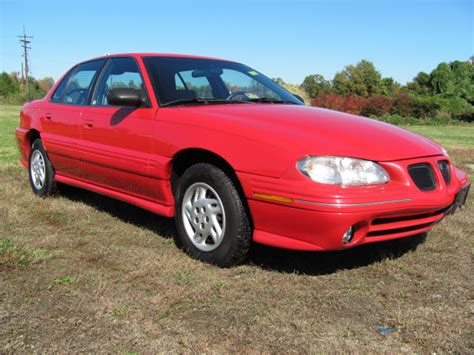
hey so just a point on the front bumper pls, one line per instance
(317, 220)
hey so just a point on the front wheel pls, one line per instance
(41, 172)
(211, 219)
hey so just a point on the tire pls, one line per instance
(206, 199)
(41, 173)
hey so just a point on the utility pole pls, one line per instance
(25, 41)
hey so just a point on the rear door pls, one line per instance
(61, 117)
(116, 142)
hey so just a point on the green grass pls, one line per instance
(13, 255)
(86, 273)
(10, 118)
(451, 137)
(457, 140)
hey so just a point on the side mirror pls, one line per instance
(125, 97)
(298, 97)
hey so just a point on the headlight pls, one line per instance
(342, 171)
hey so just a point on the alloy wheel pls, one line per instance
(203, 216)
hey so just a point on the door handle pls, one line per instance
(89, 124)
(48, 116)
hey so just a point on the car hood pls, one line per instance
(304, 130)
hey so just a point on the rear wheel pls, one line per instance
(41, 172)
(211, 219)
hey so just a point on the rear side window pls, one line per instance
(58, 93)
(79, 84)
(119, 73)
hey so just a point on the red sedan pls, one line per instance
(233, 156)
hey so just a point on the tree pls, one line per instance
(361, 79)
(315, 85)
(442, 80)
(15, 76)
(390, 87)
(463, 79)
(421, 84)
(279, 81)
(7, 86)
(46, 83)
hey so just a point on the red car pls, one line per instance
(233, 156)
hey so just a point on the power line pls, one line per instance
(25, 41)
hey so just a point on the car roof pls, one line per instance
(134, 54)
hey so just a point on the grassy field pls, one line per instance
(81, 272)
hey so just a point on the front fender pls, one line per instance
(242, 153)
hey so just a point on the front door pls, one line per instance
(116, 142)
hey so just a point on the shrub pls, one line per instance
(349, 104)
(425, 106)
(13, 99)
(353, 104)
(454, 106)
(377, 106)
(466, 117)
(402, 105)
(330, 101)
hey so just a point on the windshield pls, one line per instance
(193, 81)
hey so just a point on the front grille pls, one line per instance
(445, 171)
(422, 176)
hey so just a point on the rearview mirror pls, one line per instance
(125, 97)
(201, 73)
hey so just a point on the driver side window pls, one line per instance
(120, 73)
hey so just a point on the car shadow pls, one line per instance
(126, 212)
(328, 262)
(265, 257)
(121, 114)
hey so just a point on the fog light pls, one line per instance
(347, 237)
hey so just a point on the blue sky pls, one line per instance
(284, 38)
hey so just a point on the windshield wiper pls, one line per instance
(270, 100)
(198, 100)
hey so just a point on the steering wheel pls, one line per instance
(238, 93)
(79, 98)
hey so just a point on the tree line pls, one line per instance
(12, 88)
(446, 94)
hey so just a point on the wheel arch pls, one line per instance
(190, 156)
(30, 137)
